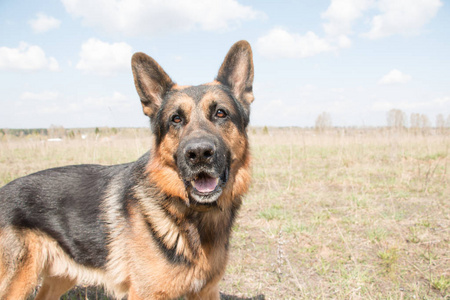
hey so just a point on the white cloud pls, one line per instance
(343, 41)
(395, 76)
(153, 16)
(26, 58)
(405, 17)
(393, 17)
(443, 101)
(280, 43)
(47, 95)
(43, 23)
(103, 58)
(341, 14)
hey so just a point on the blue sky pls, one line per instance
(67, 62)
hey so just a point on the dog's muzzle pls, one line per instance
(204, 169)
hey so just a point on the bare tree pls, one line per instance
(425, 124)
(323, 122)
(440, 123)
(396, 119)
(414, 122)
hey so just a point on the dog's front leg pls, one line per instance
(132, 295)
(54, 288)
(209, 292)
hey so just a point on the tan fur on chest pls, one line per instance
(153, 275)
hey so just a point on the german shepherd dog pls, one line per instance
(156, 228)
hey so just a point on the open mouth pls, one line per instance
(205, 183)
(206, 188)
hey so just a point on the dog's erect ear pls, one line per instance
(151, 82)
(236, 72)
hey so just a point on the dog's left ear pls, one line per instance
(236, 72)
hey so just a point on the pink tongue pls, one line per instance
(205, 184)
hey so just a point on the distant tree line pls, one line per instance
(398, 120)
(24, 132)
(57, 131)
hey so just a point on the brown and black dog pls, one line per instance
(156, 228)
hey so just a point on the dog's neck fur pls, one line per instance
(187, 234)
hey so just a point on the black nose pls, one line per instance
(199, 151)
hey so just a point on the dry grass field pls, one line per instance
(357, 214)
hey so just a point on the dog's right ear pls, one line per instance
(151, 82)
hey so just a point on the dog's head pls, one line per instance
(201, 148)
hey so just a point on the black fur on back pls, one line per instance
(65, 203)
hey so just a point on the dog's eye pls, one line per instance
(176, 119)
(221, 113)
